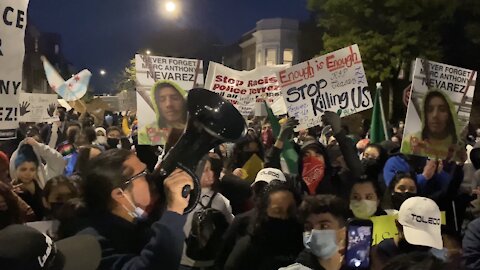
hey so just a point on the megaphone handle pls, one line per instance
(186, 191)
(187, 188)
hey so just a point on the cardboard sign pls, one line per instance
(331, 82)
(162, 86)
(439, 111)
(246, 90)
(37, 108)
(12, 51)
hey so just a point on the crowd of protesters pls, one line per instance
(94, 181)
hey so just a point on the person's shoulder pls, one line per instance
(295, 266)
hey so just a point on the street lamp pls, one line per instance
(170, 6)
(102, 72)
(170, 9)
(148, 52)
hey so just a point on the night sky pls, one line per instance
(105, 34)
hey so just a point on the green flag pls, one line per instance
(378, 125)
(288, 152)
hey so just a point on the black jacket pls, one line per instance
(127, 246)
(306, 258)
(268, 248)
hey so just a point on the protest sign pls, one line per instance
(331, 82)
(439, 111)
(245, 89)
(37, 108)
(162, 85)
(12, 51)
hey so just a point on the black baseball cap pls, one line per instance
(22, 247)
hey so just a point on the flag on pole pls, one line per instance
(288, 152)
(378, 127)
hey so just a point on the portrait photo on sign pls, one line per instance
(162, 89)
(439, 110)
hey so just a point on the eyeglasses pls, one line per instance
(138, 175)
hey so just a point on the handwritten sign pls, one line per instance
(439, 110)
(12, 51)
(327, 83)
(37, 108)
(246, 90)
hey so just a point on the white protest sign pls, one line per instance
(244, 89)
(37, 108)
(12, 51)
(439, 110)
(162, 86)
(331, 82)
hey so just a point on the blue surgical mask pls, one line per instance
(322, 243)
(441, 254)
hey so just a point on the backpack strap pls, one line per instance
(209, 204)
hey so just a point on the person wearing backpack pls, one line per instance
(207, 223)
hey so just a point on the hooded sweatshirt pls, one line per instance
(447, 148)
(153, 134)
(54, 163)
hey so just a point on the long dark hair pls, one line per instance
(451, 128)
(261, 216)
(83, 157)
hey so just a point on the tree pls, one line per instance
(390, 33)
(126, 79)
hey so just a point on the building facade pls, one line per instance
(272, 42)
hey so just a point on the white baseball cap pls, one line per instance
(421, 221)
(268, 175)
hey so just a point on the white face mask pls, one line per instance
(137, 213)
(322, 243)
(363, 209)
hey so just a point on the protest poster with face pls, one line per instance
(37, 108)
(439, 111)
(332, 82)
(12, 51)
(245, 89)
(162, 87)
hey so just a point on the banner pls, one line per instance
(439, 111)
(12, 51)
(162, 85)
(37, 108)
(331, 82)
(245, 89)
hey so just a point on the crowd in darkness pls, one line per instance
(92, 185)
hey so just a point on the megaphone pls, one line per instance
(212, 120)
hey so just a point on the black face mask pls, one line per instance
(55, 209)
(406, 247)
(399, 197)
(112, 142)
(370, 166)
